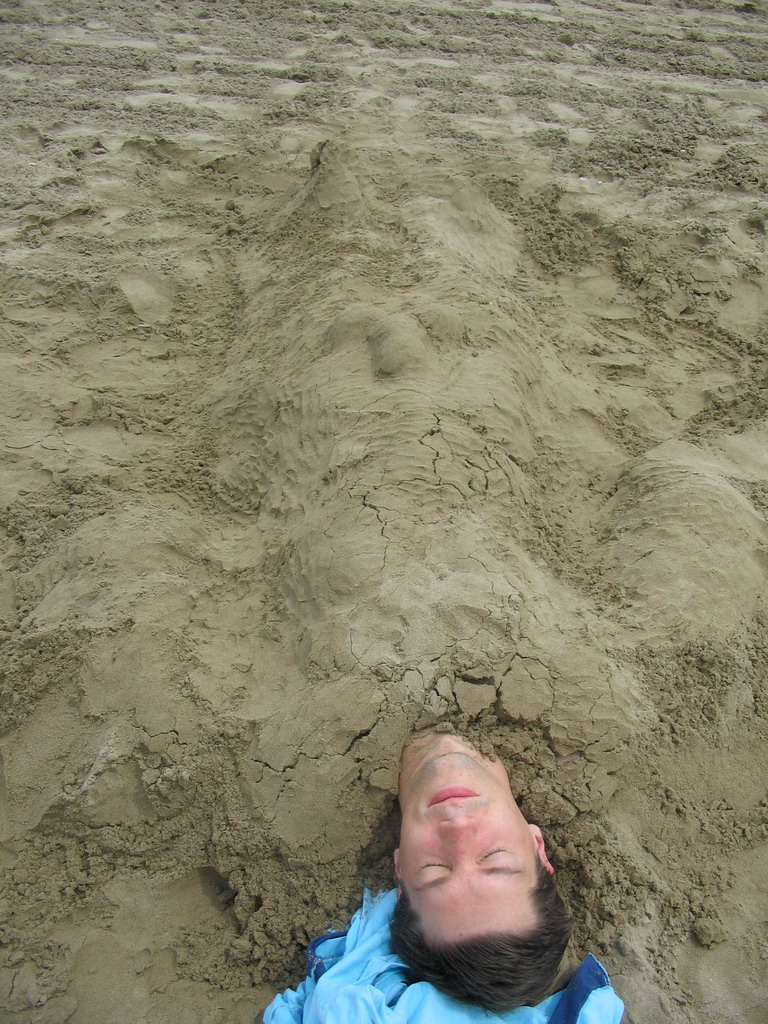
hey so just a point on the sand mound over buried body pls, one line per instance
(367, 369)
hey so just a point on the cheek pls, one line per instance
(411, 853)
(497, 769)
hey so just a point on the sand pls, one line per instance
(367, 366)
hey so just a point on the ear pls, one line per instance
(397, 871)
(538, 838)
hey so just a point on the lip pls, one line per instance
(451, 793)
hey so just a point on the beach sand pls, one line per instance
(367, 366)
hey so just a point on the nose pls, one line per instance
(456, 820)
(457, 831)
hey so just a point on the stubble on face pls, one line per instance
(421, 750)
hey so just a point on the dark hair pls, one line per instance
(497, 972)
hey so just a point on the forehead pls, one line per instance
(462, 910)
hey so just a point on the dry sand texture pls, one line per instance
(364, 365)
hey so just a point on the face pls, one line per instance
(467, 856)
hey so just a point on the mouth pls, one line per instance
(451, 793)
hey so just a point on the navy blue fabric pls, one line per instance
(590, 975)
(317, 965)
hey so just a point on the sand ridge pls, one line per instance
(370, 366)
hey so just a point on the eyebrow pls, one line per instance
(435, 882)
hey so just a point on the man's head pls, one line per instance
(477, 896)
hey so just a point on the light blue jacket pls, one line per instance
(353, 978)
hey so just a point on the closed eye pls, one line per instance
(508, 866)
(499, 849)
